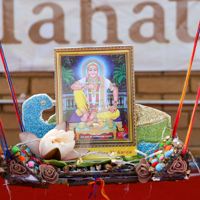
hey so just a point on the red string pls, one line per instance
(102, 184)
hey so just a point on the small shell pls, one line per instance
(98, 166)
(119, 166)
(18, 154)
(3, 163)
(66, 169)
(83, 169)
(173, 154)
(74, 166)
(175, 150)
(180, 146)
(188, 172)
(27, 159)
(108, 167)
(167, 137)
(58, 169)
(151, 169)
(92, 168)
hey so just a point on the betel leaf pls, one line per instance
(56, 163)
(134, 159)
(91, 163)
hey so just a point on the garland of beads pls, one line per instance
(94, 108)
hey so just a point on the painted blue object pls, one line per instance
(159, 167)
(32, 110)
(168, 153)
(154, 160)
(27, 150)
(23, 154)
(144, 147)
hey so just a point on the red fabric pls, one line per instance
(187, 189)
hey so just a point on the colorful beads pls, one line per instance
(168, 142)
(23, 154)
(159, 155)
(27, 150)
(150, 159)
(15, 149)
(154, 164)
(159, 167)
(168, 147)
(22, 158)
(162, 144)
(156, 151)
(168, 153)
(31, 164)
(162, 157)
(154, 160)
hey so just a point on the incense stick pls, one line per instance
(2, 131)
(185, 85)
(2, 145)
(191, 123)
(4, 152)
(12, 91)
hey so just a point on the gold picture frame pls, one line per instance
(85, 98)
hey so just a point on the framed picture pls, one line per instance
(95, 94)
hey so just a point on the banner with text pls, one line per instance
(162, 32)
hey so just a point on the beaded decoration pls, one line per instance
(94, 108)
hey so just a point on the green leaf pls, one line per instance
(134, 159)
(91, 163)
(116, 76)
(52, 119)
(55, 163)
(69, 70)
(68, 75)
(68, 81)
(72, 78)
(118, 68)
(120, 79)
(63, 69)
(118, 72)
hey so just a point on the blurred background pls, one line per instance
(161, 32)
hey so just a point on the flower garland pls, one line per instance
(94, 108)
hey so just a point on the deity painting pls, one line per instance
(95, 95)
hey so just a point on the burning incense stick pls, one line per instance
(185, 85)
(2, 146)
(4, 137)
(12, 91)
(191, 123)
